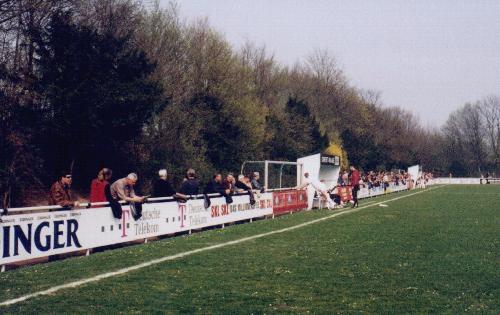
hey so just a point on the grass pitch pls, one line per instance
(435, 252)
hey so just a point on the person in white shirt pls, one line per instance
(314, 185)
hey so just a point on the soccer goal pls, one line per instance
(276, 175)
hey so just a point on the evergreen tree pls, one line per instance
(295, 132)
(97, 97)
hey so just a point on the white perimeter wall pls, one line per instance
(457, 180)
(27, 236)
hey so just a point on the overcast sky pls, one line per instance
(429, 57)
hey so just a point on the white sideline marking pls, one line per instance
(191, 252)
(471, 193)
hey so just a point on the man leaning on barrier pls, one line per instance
(215, 186)
(256, 185)
(123, 189)
(60, 192)
(163, 188)
(190, 186)
(243, 185)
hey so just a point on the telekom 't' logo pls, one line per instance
(125, 213)
(182, 210)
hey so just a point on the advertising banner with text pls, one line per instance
(289, 200)
(28, 236)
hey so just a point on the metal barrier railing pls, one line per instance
(83, 205)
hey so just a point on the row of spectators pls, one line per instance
(102, 189)
(356, 179)
(383, 179)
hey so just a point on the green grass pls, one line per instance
(435, 252)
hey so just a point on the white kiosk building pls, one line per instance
(322, 167)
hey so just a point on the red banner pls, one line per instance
(345, 193)
(288, 201)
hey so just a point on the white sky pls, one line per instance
(429, 57)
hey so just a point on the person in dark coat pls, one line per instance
(163, 188)
(60, 192)
(191, 185)
(215, 185)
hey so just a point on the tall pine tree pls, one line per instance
(97, 97)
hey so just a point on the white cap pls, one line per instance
(132, 176)
(162, 172)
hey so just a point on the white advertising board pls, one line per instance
(364, 192)
(28, 236)
(456, 181)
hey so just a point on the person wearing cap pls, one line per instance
(191, 185)
(60, 192)
(98, 185)
(163, 188)
(123, 189)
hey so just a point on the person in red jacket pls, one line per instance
(355, 178)
(98, 184)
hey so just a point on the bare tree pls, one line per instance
(323, 66)
(466, 134)
(371, 97)
(489, 108)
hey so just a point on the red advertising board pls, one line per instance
(288, 201)
(345, 193)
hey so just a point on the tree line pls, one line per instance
(86, 84)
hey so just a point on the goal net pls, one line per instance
(273, 174)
